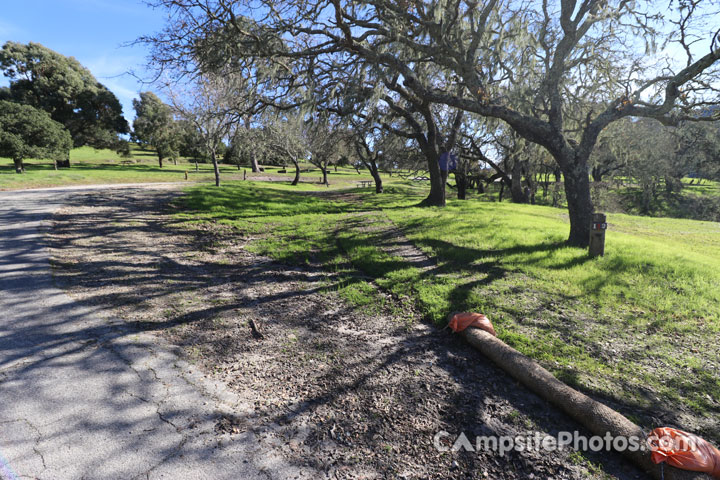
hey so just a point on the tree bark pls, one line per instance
(436, 197)
(254, 165)
(160, 160)
(19, 165)
(213, 155)
(378, 181)
(580, 207)
(516, 191)
(296, 180)
(324, 177)
(462, 184)
(593, 415)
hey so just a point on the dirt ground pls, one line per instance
(353, 394)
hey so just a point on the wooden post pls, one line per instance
(244, 174)
(186, 175)
(597, 234)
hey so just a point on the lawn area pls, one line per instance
(91, 166)
(638, 328)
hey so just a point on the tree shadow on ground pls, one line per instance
(347, 389)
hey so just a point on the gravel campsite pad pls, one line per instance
(352, 393)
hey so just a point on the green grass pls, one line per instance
(90, 166)
(639, 326)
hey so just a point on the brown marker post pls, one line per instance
(597, 234)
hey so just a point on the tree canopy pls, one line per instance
(557, 72)
(61, 86)
(26, 132)
(154, 125)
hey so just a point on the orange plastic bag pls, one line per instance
(461, 321)
(684, 450)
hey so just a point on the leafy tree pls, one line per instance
(644, 147)
(190, 141)
(282, 136)
(234, 153)
(376, 148)
(604, 161)
(26, 132)
(557, 72)
(66, 90)
(154, 125)
(211, 106)
(325, 142)
(249, 140)
(696, 152)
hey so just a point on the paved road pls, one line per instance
(84, 397)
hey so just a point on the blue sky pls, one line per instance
(93, 31)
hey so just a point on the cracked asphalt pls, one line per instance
(83, 396)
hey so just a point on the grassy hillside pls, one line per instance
(638, 328)
(91, 166)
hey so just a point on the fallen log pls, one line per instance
(593, 415)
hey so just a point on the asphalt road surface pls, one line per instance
(86, 397)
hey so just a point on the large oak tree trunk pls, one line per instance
(580, 207)
(296, 180)
(436, 197)
(378, 181)
(254, 165)
(19, 165)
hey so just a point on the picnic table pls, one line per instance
(364, 183)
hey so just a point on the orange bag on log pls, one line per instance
(684, 451)
(461, 321)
